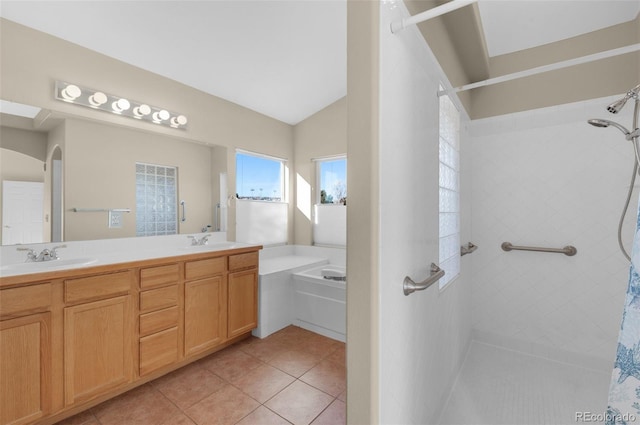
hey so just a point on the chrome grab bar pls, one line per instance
(127, 210)
(464, 250)
(409, 286)
(568, 250)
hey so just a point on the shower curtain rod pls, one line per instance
(429, 14)
(545, 68)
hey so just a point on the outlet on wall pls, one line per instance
(115, 219)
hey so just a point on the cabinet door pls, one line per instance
(25, 368)
(204, 314)
(98, 351)
(243, 302)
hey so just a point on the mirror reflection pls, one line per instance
(69, 179)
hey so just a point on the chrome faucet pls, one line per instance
(45, 255)
(198, 242)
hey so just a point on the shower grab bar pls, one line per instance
(409, 286)
(568, 250)
(464, 250)
(127, 210)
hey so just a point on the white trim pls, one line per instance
(261, 155)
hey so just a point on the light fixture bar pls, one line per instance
(96, 99)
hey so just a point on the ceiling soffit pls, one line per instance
(457, 40)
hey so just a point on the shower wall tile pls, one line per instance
(547, 178)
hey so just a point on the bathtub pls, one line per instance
(276, 295)
(320, 298)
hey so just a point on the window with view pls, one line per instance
(259, 178)
(332, 179)
(330, 216)
(261, 209)
(449, 147)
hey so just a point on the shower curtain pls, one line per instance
(624, 390)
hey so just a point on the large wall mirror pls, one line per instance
(67, 179)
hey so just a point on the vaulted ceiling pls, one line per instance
(287, 59)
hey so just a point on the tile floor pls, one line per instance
(291, 377)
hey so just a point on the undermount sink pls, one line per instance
(36, 266)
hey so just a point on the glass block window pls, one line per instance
(449, 147)
(156, 200)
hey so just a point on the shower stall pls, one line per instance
(518, 337)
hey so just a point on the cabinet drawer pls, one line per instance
(96, 287)
(204, 268)
(158, 320)
(159, 276)
(158, 350)
(243, 261)
(156, 299)
(24, 299)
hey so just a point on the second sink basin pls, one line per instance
(36, 266)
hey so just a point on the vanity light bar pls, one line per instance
(95, 99)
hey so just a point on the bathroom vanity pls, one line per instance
(71, 338)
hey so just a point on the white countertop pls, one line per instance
(108, 251)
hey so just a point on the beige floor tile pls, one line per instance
(141, 406)
(187, 386)
(299, 403)
(231, 363)
(224, 407)
(327, 376)
(263, 416)
(335, 414)
(295, 362)
(263, 382)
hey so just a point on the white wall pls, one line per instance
(424, 336)
(547, 178)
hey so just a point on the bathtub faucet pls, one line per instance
(201, 241)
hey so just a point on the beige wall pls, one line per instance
(28, 142)
(363, 31)
(321, 135)
(99, 172)
(31, 61)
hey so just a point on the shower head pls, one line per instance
(597, 122)
(617, 106)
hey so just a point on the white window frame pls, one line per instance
(283, 174)
(318, 163)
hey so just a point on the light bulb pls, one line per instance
(97, 99)
(71, 92)
(120, 105)
(141, 111)
(178, 121)
(160, 116)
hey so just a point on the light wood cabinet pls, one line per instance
(98, 355)
(25, 368)
(204, 314)
(159, 308)
(71, 339)
(242, 302)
